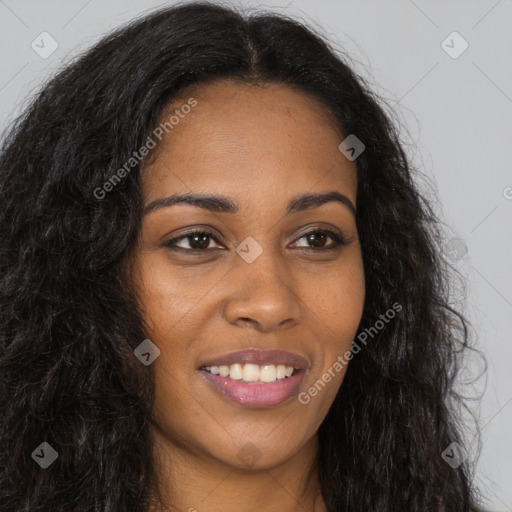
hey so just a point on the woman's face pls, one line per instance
(259, 281)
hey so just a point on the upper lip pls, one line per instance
(259, 357)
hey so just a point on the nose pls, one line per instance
(263, 295)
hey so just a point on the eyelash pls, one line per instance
(339, 241)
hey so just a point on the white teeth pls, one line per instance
(281, 371)
(268, 373)
(235, 371)
(252, 372)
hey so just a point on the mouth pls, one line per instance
(256, 379)
(252, 373)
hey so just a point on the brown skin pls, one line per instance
(260, 146)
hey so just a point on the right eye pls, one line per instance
(198, 241)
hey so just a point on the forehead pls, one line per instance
(249, 137)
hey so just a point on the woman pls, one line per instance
(221, 289)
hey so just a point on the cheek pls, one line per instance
(337, 299)
(336, 310)
(349, 302)
(173, 317)
(167, 297)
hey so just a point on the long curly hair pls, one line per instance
(70, 317)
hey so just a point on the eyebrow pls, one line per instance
(222, 204)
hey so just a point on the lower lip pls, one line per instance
(256, 395)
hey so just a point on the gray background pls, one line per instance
(457, 118)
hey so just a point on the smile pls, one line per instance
(255, 394)
(252, 372)
(256, 378)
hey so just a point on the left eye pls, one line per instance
(320, 236)
(199, 240)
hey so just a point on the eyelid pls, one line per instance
(211, 232)
(338, 239)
